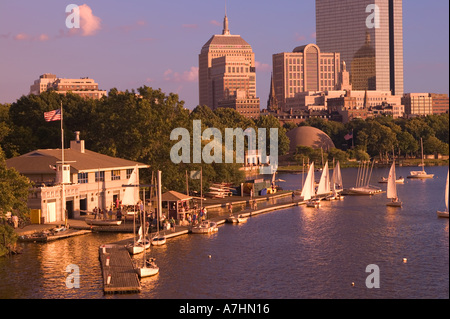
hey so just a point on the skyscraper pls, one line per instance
(227, 75)
(369, 36)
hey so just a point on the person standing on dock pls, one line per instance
(293, 196)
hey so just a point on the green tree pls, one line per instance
(13, 199)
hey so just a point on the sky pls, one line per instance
(128, 44)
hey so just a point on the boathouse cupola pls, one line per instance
(77, 144)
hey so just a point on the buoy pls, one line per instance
(353, 284)
(209, 256)
(405, 260)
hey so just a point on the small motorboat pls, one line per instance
(236, 219)
(313, 203)
(206, 227)
(158, 240)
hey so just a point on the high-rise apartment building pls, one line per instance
(84, 87)
(369, 36)
(227, 75)
(304, 69)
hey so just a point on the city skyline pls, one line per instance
(126, 46)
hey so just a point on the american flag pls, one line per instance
(54, 115)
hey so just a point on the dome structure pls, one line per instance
(309, 136)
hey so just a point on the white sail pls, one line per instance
(446, 193)
(308, 187)
(391, 186)
(337, 177)
(131, 195)
(324, 183)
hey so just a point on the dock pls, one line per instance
(118, 270)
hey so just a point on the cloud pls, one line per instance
(262, 67)
(22, 37)
(43, 37)
(190, 26)
(299, 37)
(186, 76)
(215, 22)
(89, 23)
(135, 26)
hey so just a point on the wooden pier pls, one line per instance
(119, 273)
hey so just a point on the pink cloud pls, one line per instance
(187, 76)
(299, 37)
(215, 22)
(262, 67)
(128, 28)
(22, 37)
(89, 23)
(190, 26)
(43, 37)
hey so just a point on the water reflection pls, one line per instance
(298, 252)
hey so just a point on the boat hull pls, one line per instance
(394, 204)
(138, 247)
(158, 241)
(236, 220)
(205, 228)
(95, 222)
(147, 271)
(442, 214)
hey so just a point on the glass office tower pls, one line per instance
(369, 36)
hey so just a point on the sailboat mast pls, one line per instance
(421, 146)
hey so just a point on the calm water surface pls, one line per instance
(298, 252)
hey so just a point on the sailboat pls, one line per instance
(422, 173)
(444, 214)
(308, 190)
(324, 189)
(139, 245)
(336, 182)
(149, 267)
(392, 188)
(158, 239)
(131, 197)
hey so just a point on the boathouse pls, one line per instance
(89, 180)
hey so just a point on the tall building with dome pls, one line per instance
(369, 36)
(227, 74)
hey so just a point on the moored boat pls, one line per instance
(236, 219)
(158, 240)
(102, 222)
(420, 174)
(444, 214)
(149, 269)
(205, 227)
(392, 189)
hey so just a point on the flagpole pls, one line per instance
(63, 196)
(353, 139)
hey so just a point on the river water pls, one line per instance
(293, 253)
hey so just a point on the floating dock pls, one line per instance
(119, 273)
